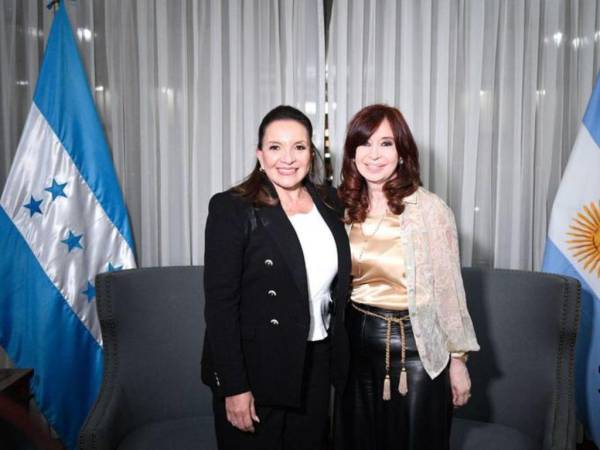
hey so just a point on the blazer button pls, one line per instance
(268, 262)
(274, 322)
(272, 293)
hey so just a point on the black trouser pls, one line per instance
(418, 421)
(283, 428)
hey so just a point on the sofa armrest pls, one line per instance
(560, 426)
(108, 422)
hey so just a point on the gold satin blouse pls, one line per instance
(378, 265)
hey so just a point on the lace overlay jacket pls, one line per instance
(436, 296)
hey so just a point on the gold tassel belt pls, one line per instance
(403, 384)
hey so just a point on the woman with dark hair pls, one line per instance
(277, 263)
(408, 323)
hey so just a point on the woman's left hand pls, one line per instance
(460, 382)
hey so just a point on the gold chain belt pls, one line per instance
(403, 384)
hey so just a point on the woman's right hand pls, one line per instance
(240, 411)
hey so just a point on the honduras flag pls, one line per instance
(573, 248)
(62, 221)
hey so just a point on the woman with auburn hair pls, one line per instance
(408, 323)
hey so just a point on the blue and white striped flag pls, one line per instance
(62, 221)
(573, 248)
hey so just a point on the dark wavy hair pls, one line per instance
(353, 189)
(257, 188)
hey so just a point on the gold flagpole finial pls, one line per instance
(53, 4)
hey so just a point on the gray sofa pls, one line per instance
(152, 396)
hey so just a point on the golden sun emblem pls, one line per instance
(585, 234)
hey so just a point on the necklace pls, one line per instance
(367, 238)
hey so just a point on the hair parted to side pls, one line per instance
(353, 188)
(257, 188)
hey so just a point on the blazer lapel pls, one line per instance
(280, 229)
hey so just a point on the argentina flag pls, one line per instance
(62, 221)
(573, 248)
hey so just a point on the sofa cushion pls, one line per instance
(473, 435)
(196, 433)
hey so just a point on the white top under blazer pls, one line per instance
(320, 258)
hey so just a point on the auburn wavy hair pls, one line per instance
(353, 188)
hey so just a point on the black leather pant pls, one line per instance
(418, 421)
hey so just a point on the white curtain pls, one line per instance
(181, 87)
(494, 92)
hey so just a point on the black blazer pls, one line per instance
(257, 311)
